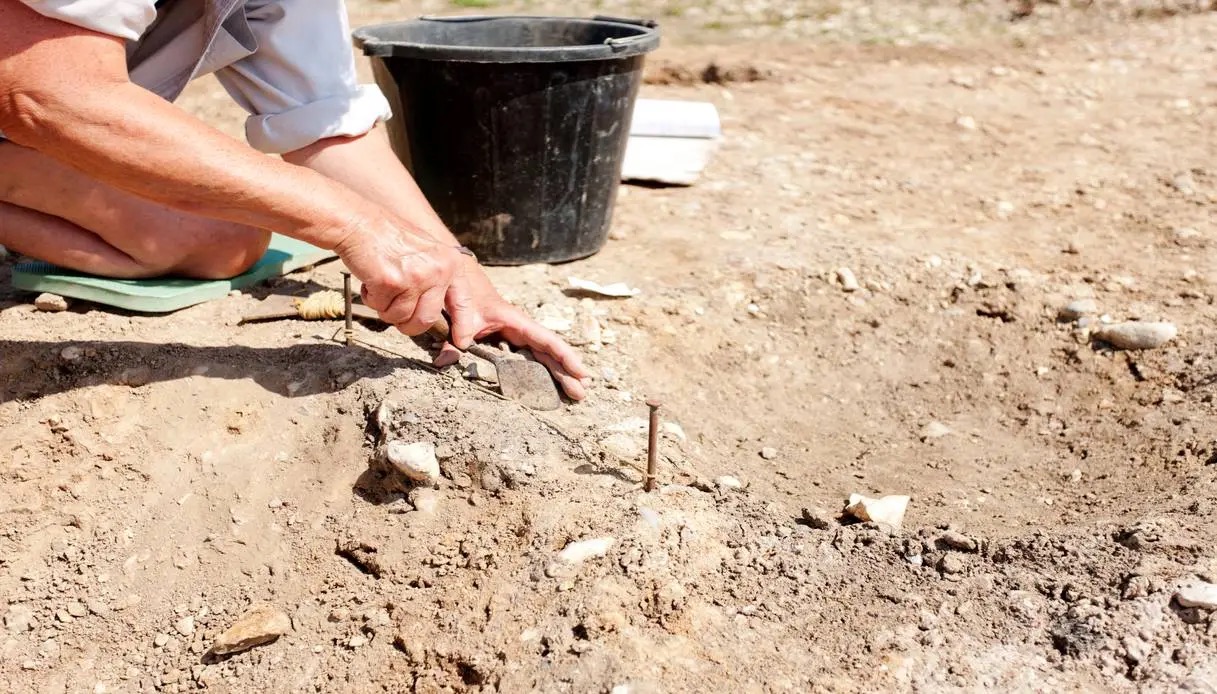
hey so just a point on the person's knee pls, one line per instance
(229, 251)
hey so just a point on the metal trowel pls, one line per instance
(523, 380)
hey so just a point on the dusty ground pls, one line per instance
(975, 174)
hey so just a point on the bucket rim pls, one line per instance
(646, 40)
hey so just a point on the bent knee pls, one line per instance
(229, 253)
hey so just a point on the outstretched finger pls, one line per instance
(529, 333)
(572, 386)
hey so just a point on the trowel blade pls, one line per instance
(528, 383)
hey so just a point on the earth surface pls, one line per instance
(976, 167)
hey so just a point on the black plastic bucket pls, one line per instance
(514, 127)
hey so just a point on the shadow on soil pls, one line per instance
(33, 369)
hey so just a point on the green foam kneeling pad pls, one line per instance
(163, 295)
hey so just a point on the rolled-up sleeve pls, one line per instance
(300, 85)
(126, 19)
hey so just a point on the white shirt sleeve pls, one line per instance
(126, 19)
(300, 85)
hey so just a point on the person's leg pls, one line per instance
(54, 213)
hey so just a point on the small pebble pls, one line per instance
(1200, 595)
(817, 518)
(482, 371)
(51, 303)
(1136, 335)
(889, 510)
(1185, 184)
(769, 453)
(952, 564)
(274, 504)
(417, 461)
(1078, 309)
(260, 625)
(578, 552)
(77, 609)
(425, 501)
(185, 625)
(675, 430)
(958, 541)
(848, 280)
(160, 640)
(728, 483)
(934, 430)
(357, 641)
(966, 122)
(71, 353)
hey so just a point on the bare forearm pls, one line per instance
(130, 138)
(367, 165)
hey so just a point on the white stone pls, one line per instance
(51, 303)
(579, 552)
(623, 445)
(675, 430)
(769, 453)
(416, 461)
(729, 483)
(71, 353)
(619, 290)
(966, 122)
(185, 625)
(1199, 594)
(1080, 308)
(1136, 335)
(934, 430)
(425, 501)
(889, 510)
(848, 280)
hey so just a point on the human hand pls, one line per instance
(483, 312)
(407, 278)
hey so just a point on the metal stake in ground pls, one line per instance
(348, 303)
(653, 446)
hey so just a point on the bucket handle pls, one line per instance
(618, 45)
(647, 23)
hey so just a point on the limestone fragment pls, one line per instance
(260, 625)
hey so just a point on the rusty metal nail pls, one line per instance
(653, 446)
(349, 331)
